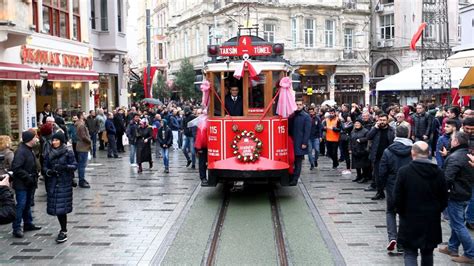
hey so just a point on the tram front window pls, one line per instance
(234, 102)
(256, 92)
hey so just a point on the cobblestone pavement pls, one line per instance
(122, 219)
(356, 223)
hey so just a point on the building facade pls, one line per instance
(327, 41)
(107, 27)
(393, 24)
(45, 58)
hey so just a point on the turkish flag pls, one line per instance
(417, 36)
(148, 91)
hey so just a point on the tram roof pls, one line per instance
(232, 66)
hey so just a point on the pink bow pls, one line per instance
(286, 101)
(205, 86)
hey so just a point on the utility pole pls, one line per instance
(148, 52)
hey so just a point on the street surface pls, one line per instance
(151, 218)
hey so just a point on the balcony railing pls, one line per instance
(349, 54)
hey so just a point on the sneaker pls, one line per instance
(189, 163)
(134, 165)
(379, 196)
(392, 245)
(346, 172)
(204, 182)
(463, 260)
(445, 250)
(311, 167)
(18, 234)
(193, 167)
(62, 237)
(167, 170)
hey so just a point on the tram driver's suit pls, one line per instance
(235, 107)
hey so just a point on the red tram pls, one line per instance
(252, 146)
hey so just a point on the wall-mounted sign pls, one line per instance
(50, 58)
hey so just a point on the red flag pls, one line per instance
(455, 97)
(148, 92)
(417, 36)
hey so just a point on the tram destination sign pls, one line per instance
(245, 46)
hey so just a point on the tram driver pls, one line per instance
(234, 102)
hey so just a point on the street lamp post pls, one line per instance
(148, 53)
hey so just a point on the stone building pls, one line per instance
(328, 41)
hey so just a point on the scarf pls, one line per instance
(58, 152)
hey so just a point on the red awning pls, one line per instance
(65, 74)
(18, 71)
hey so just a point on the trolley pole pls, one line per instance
(148, 52)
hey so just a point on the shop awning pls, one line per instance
(466, 88)
(62, 74)
(410, 79)
(462, 59)
(9, 71)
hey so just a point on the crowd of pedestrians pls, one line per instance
(419, 158)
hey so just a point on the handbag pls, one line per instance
(89, 156)
(104, 137)
(125, 140)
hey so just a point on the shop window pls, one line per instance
(9, 113)
(319, 83)
(386, 67)
(349, 83)
(56, 18)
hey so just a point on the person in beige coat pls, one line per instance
(83, 148)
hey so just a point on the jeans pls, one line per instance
(459, 233)
(94, 143)
(470, 209)
(175, 139)
(298, 164)
(391, 215)
(157, 149)
(313, 144)
(203, 164)
(410, 256)
(188, 146)
(332, 152)
(133, 154)
(112, 147)
(23, 208)
(166, 157)
(81, 165)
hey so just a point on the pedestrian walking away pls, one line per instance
(395, 156)
(111, 130)
(165, 139)
(420, 222)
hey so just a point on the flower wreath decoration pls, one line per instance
(246, 136)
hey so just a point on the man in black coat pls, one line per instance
(459, 177)
(300, 129)
(7, 202)
(382, 136)
(421, 124)
(420, 213)
(395, 156)
(189, 135)
(119, 123)
(234, 103)
(25, 174)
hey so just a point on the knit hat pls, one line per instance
(27, 136)
(59, 136)
(359, 120)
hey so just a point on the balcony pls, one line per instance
(15, 23)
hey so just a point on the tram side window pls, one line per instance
(256, 92)
(217, 88)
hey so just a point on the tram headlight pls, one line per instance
(278, 49)
(212, 50)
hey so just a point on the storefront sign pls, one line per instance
(50, 58)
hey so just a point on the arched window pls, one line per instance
(386, 67)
